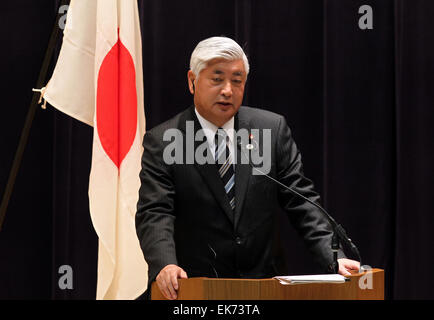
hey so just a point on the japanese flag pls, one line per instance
(98, 80)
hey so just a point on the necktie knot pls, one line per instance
(220, 136)
(221, 146)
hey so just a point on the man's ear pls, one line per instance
(191, 77)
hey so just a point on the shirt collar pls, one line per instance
(210, 128)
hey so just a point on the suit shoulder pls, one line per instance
(172, 123)
(260, 115)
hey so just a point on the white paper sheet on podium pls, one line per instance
(316, 278)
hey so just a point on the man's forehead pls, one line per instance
(234, 72)
(222, 66)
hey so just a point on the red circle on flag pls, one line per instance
(116, 103)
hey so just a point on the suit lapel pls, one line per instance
(209, 172)
(242, 172)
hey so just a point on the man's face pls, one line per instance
(218, 92)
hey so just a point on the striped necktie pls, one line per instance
(223, 159)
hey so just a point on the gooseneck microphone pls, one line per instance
(339, 233)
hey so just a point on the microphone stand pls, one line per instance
(339, 233)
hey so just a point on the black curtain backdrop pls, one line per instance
(359, 103)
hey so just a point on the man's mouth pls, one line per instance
(226, 104)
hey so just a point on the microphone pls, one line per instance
(339, 233)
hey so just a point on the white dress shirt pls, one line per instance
(210, 130)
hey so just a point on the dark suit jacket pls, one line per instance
(184, 218)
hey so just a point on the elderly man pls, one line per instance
(217, 219)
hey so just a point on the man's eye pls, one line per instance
(237, 81)
(217, 79)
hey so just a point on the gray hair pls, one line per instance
(213, 48)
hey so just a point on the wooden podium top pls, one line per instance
(368, 285)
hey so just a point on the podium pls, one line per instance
(368, 285)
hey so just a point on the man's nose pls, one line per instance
(227, 89)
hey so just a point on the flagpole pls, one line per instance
(30, 116)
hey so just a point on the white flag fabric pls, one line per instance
(98, 79)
